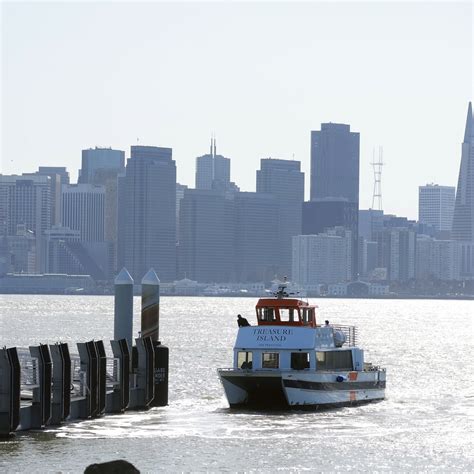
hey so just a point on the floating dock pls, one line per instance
(45, 385)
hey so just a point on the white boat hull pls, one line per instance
(293, 389)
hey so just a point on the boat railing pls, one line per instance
(30, 376)
(113, 371)
(79, 386)
(349, 331)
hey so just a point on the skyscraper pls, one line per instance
(335, 177)
(436, 206)
(147, 213)
(59, 176)
(396, 251)
(102, 166)
(463, 220)
(212, 170)
(284, 180)
(335, 163)
(206, 240)
(25, 201)
(256, 239)
(83, 210)
(94, 159)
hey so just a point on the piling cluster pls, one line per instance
(46, 385)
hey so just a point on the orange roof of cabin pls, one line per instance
(283, 303)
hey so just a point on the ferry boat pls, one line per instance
(288, 360)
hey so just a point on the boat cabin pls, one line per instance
(285, 312)
(287, 337)
(282, 348)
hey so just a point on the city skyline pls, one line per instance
(385, 69)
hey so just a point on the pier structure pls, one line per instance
(47, 385)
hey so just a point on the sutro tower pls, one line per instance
(377, 166)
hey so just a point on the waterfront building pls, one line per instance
(25, 201)
(358, 288)
(322, 259)
(65, 253)
(19, 283)
(284, 180)
(256, 239)
(436, 206)
(206, 236)
(82, 209)
(147, 213)
(96, 160)
(18, 253)
(396, 250)
(437, 259)
(322, 214)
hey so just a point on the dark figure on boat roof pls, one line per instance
(326, 323)
(242, 321)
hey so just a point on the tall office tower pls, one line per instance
(206, 240)
(147, 203)
(396, 250)
(95, 159)
(26, 201)
(102, 166)
(335, 163)
(463, 219)
(335, 172)
(213, 171)
(82, 209)
(284, 180)
(59, 176)
(180, 189)
(436, 206)
(256, 239)
(323, 258)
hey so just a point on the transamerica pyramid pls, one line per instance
(463, 219)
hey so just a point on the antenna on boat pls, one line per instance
(281, 292)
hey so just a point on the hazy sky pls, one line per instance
(260, 75)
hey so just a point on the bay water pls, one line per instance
(425, 423)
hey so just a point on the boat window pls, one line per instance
(308, 315)
(266, 314)
(334, 360)
(270, 360)
(244, 360)
(289, 315)
(299, 360)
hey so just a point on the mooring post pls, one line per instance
(151, 328)
(123, 315)
(150, 306)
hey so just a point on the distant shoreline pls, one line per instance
(347, 297)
